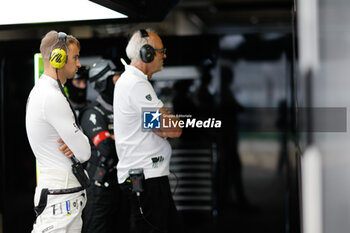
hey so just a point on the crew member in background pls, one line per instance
(106, 208)
(55, 138)
(76, 89)
(153, 209)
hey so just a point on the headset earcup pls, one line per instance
(58, 58)
(147, 53)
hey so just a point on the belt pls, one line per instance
(64, 191)
(43, 197)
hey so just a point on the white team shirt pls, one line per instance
(48, 118)
(136, 148)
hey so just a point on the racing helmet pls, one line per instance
(99, 74)
(82, 73)
(77, 94)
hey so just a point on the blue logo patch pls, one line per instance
(151, 119)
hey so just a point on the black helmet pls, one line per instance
(82, 73)
(99, 73)
(76, 94)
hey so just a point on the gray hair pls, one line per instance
(135, 44)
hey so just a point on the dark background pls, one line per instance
(277, 213)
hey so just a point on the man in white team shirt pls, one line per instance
(136, 148)
(54, 138)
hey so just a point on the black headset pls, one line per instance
(58, 56)
(147, 52)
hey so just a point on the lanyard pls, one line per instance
(70, 104)
(74, 159)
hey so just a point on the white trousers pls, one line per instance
(62, 213)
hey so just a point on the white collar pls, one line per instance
(46, 76)
(136, 71)
(51, 80)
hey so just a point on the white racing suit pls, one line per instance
(59, 201)
(59, 197)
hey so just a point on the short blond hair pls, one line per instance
(50, 42)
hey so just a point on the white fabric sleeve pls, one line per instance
(60, 116)
(144, 96)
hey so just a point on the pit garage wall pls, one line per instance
(330, 88)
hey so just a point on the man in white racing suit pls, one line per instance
(55, 138)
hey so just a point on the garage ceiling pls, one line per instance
(175, 17)
(213, 16)
(221, 15)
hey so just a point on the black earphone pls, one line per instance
(147, 52)
(58, 56)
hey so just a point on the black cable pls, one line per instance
(143, 216)
(73, 158)
(140, 206)
(177, 182)
(64, 94)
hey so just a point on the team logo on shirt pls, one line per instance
(149, 97)
(151, 119)
(76, 127)
(93, 118)
(156, 161)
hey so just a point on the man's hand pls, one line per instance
(172, 131)
(65, 149)
(160, 133)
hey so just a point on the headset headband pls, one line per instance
(58, 56)
(62, 36)
(143, 33)
(147, 52)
